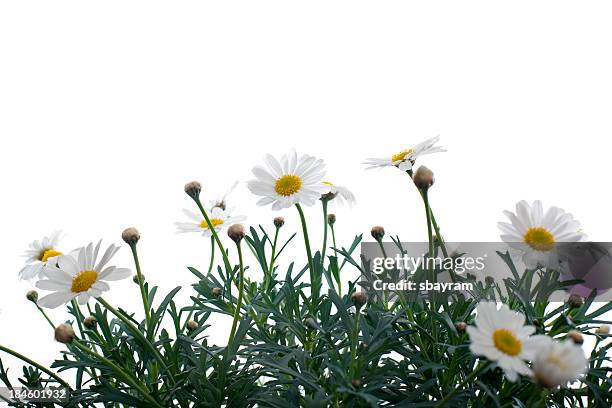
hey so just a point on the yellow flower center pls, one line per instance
(401, 156)
(213, 221)
(287, 185)
(48, 253)
(539, 239)
(83, 281)
(506, 342)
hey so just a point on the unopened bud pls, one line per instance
(90, 322)
(216, 292)
(236, 232)
(423, 178)
(311, 323)
(603, 329)
(32, 296)
(536, 323)
(359, 299)
(130, 236)
(64, 333)
(575, 336)
(356, 383)
(460, 326)
(378, 232)
(489, 280)
(192, 325)
(193, 189)
(137, 279)
(331, 219)
(279, 222)
(575, 301)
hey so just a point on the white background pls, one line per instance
(107, 109)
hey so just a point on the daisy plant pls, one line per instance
(317, 339)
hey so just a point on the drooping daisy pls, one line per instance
(501, 336)
(81, 276)
(39, 254)
(219, 218)
(339, 194)
(533, 232)
(558, 363)
(221, 202)
(405, 159)
(293, 180)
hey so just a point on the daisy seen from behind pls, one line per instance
(219, 218)
(534, 233)
(502, 336)
(405, 159)
(339, 194)
(559, 363)
(39, 253)
(291, 180)
(80, 276)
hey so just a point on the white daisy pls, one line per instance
(80, 277)
(293, 180)
(339, 194)
(39, 254)
(219, 218)
(558, 363)
(405, 159)
(221, 202)
(501, 336)
(533, 233)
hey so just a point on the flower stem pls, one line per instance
(272, 256)
(35, 364)
(338, 280)
(143, 292)
(215, 236)
(324, 202)
(313, 282)
(240, 293)
(469, 378)
(212, 255)
(46, 316)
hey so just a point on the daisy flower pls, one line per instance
(533, 233)
(221, 202)
(39, 254)
(501, 336)
(559, 363)
(219, 218)
(293, 180)
(338, 193)
(80, 276)
(405, 159)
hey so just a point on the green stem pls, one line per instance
(35, 364)
(143, 293)
(240, 293)
(215, 236)
(429, 232)
(313, 282)
(323, 250)
(469, 378)
(46, 317)
(354, 345)
(79, 317)
(122, 374)
(272, 256)
(212, 254)
(339, 281)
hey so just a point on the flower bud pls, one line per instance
(575, 301)
(489, 280)
(575, 336)
(32, 296)
(331, 219)
(536, 323)
(64, 333)
(236, 232)
(603, 329)
(356, 383)
(378, 232)
(460, 326)
(311, 323)
(130, 236)
(192, 325)
(90, 322)
(359, 299)
(279, 222)
(363, 346)
(193, 189)
(136, 279)
(423, 178)
(216, 292)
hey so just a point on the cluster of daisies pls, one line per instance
(294, 180)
